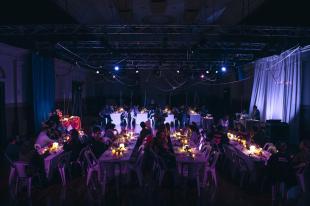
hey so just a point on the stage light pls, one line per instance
(114, 76)
(208, 72)
(97, 72)
(216, 71)
(223, 69)
(178, 71)
(202, 76)
(116, 68)
(137, 71)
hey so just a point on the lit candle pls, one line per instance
(252, 149)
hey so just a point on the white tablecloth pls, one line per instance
(141, 117)
(50, 163)
(116, 118)
(195, 118)
(169, 118)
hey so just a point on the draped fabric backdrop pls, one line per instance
(277, 89)
(43, 88)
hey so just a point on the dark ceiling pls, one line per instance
(54, 28)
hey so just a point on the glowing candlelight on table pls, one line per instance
(113, 151)
(252, 149)
(122, 147)
(185, 141)
(193, 155)
(55, 145)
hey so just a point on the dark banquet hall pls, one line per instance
(155, 102)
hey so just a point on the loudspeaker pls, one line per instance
(277, 131)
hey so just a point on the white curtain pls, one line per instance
(277, 89)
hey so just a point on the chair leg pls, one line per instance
(214, 177)
(89, 174)
(16, 186)
(139, 175)
(161, 177)
(29, 186)
(103, 184)
(11, 177)
(198, 186)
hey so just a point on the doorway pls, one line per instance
(3, 139)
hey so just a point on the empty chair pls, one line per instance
(243, 170)
(210, 167)
(81, 161)
(190, 170)
(12, 170)
(159, 167)
(63, 166)
(110, 171)
(137, 166)
(92, 165)
(23, 179)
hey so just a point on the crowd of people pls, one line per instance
(282, 165)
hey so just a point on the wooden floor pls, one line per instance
(182, 193)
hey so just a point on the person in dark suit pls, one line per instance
(255, 113)
(74, 145)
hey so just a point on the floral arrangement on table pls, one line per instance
(119, 150)
(251, 149)
(188, 151)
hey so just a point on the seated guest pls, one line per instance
(144, 132)
(13, 149)
(97, 144)
(224, 122)
(161, 147)
(302, 158)
(110, 132)
(43, 138)
(279, 168)
(255, 113)
(74, 145)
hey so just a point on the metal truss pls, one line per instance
(155, 46)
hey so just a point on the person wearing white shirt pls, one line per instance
(43, 139)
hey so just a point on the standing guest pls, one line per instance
(302, 158)
(167, 129)
(224, 122)
(13, 149)
(255, 113)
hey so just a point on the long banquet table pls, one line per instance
(120, 161)
(255, 163)
(193, 161)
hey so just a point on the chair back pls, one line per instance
(138, 163)
(37, 147)
(21, 169)
(213, 157)
(110, 169)
(267, 146)
(90, 158)
(64, 159)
